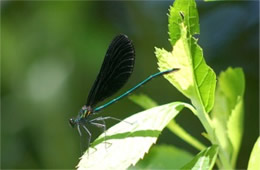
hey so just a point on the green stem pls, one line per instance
(206, 122)
(179, 131)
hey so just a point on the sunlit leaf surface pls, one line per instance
(126, 143)
(195, 79)
(255, 156)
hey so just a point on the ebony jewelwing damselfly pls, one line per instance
(116, 69)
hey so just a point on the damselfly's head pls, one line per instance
(72, 122)
(83, 115)
(76, 121)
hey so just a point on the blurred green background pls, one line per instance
(51, 53)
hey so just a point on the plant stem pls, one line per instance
(206, 122)
(179, 131)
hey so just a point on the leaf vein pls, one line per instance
(201, 82)
(211, 84)
(199, 63)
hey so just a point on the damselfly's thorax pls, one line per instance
(83, 114)
(85, 111)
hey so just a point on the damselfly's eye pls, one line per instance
(72, 122)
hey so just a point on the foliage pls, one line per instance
(195, 80)
(164, 157)
(125, 143)
(204, 160)
(255, 156)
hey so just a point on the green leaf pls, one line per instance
(254, 163)
(126, 143)
(146, 102)
(188, 9)
(235, 129)
(164, 157)
(204, 160)
(227, 114)
(195, 79)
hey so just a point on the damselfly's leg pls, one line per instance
(109, 117)
(89, 139)
(103, 125)
(80, 134)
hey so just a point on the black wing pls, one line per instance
(116, 69)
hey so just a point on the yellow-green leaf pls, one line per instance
(195, 79)
(254, 163)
